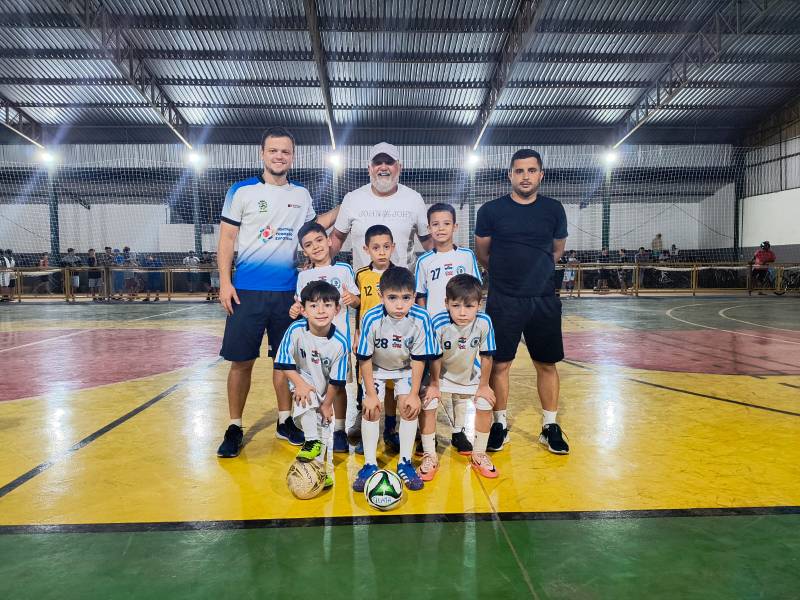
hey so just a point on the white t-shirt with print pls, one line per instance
(404, 213)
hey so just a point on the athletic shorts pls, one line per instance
(537, 318)
(259, 312)
(402, 386)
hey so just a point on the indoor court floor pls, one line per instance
(683, 416)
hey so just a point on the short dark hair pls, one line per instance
(319, 290)
(70, 249)
(376, 230)
(442, 207)
(276, 132)
(397, 279)
(464, 287)
(91, 249)
(310, 227)
(526, 153)
(9, 251)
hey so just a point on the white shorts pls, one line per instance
(457, 388)
(402, 386)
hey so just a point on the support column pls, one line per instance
(52, 202)
(606, 210)
(198, 228)
(739, 155)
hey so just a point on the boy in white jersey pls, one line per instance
(435, 269)
(466, 337)
(314, 354)
(316, 246)
(396, 340)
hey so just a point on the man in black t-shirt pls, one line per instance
(519, 237)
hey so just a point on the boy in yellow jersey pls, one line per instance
(379, 244)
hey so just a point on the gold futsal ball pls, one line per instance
(305, 479)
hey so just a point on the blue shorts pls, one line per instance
(258, 312)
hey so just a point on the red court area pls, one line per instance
(76, 359)
(748, 352)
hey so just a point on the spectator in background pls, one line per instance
(641, 258)
(119, 278)
(622, 274)
(570, 272)
(205, 274)
(657, 245)
(154, 278)
(602, 282)
(12, 262)
(192, 263)
(106, 260)
(214, 289)
(130, 259)
(673, 252)
(44, 279)
(6, 276)
(761, 270)
(95, 276)
(71, 261)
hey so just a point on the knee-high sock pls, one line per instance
(370, 432)
(408, 431)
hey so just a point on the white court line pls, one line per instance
(66, 335)
(763, 337)
(724, 316)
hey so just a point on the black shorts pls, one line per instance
(257, 313)
(538, 318)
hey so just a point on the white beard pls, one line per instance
(384, 184)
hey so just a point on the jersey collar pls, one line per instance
(331, 331)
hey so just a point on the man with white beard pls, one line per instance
(383, 201)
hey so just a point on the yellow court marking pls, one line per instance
(633, 447)
(576, 323)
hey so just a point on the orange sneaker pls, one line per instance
(430, 465)
(483, 465)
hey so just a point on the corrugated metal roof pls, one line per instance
(569, 90)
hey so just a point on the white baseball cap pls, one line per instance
(384, 148)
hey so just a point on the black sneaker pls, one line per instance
(233, 442)
(497, 438)
(290, 432)
(553, 438)
(461, 444)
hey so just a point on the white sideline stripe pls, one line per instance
(763, 337)
(66, 335)
(724, 316)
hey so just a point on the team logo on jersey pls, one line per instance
(474, 343)
(263, 206)
(462, 343)
(336, 282)
(460, 270)
(326, 362)
(397, 341)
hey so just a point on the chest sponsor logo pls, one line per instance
(397, 341)
(315, 357)
(462, 343)
(293, 206)
(448, 269)
(268, 233)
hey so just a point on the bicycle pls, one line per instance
(789, 283)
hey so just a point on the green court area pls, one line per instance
(751, 556)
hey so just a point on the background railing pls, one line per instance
(154, 284)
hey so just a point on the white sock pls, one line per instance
(308, 423)
(237, 422)
(338, 424)
(408, 431)
(481, 439)
(283, 415)
(370, 432)
(548, 417)
(429, 443)
(459, 414)
(500, 417)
